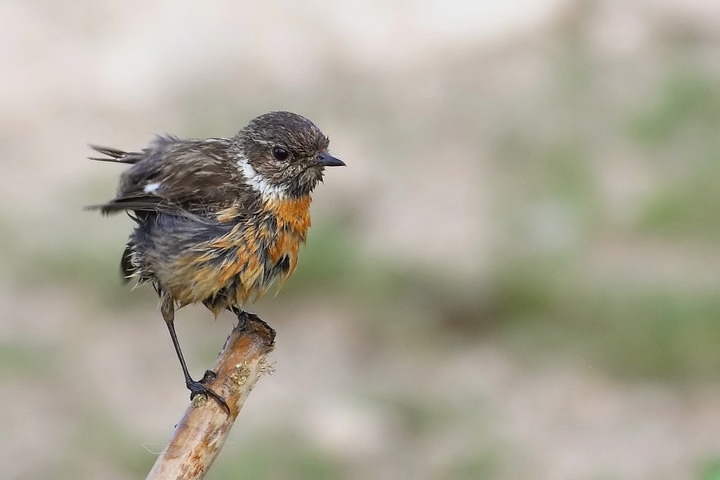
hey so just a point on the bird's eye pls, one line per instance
(280, 154)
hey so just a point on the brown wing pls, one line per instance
(175, 176)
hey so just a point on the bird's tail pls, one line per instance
(115, 155)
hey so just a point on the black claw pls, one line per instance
(242, 322)
(208, 377)
(242, 317)
(199, 388)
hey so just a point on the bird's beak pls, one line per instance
(327, 160)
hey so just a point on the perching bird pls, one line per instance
(220, 219)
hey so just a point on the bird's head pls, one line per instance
(283, 154)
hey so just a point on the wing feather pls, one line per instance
(176, 176)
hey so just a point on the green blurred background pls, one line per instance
(516, 276)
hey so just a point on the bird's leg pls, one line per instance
(168, 312)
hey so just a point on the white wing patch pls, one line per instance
(151, 187)
(267, 190)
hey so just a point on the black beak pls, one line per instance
(327, 160)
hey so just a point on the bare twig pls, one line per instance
(202, 432)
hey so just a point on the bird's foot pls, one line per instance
(242, 317)
(200, 388)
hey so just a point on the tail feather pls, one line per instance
(108, 208)
(115, 155)
(143, 204)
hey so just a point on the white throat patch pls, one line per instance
(267, 190)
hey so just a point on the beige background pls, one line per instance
(516, 276)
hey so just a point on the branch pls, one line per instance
(201, 434)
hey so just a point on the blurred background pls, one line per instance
(516, 276)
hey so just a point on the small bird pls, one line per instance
(219, 220)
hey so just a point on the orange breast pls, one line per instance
(293, 214)
(293, 221)
(215, 265)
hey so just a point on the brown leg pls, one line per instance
(168, 312)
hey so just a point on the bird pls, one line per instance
(218, 220)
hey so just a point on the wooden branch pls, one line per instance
(201, 434)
